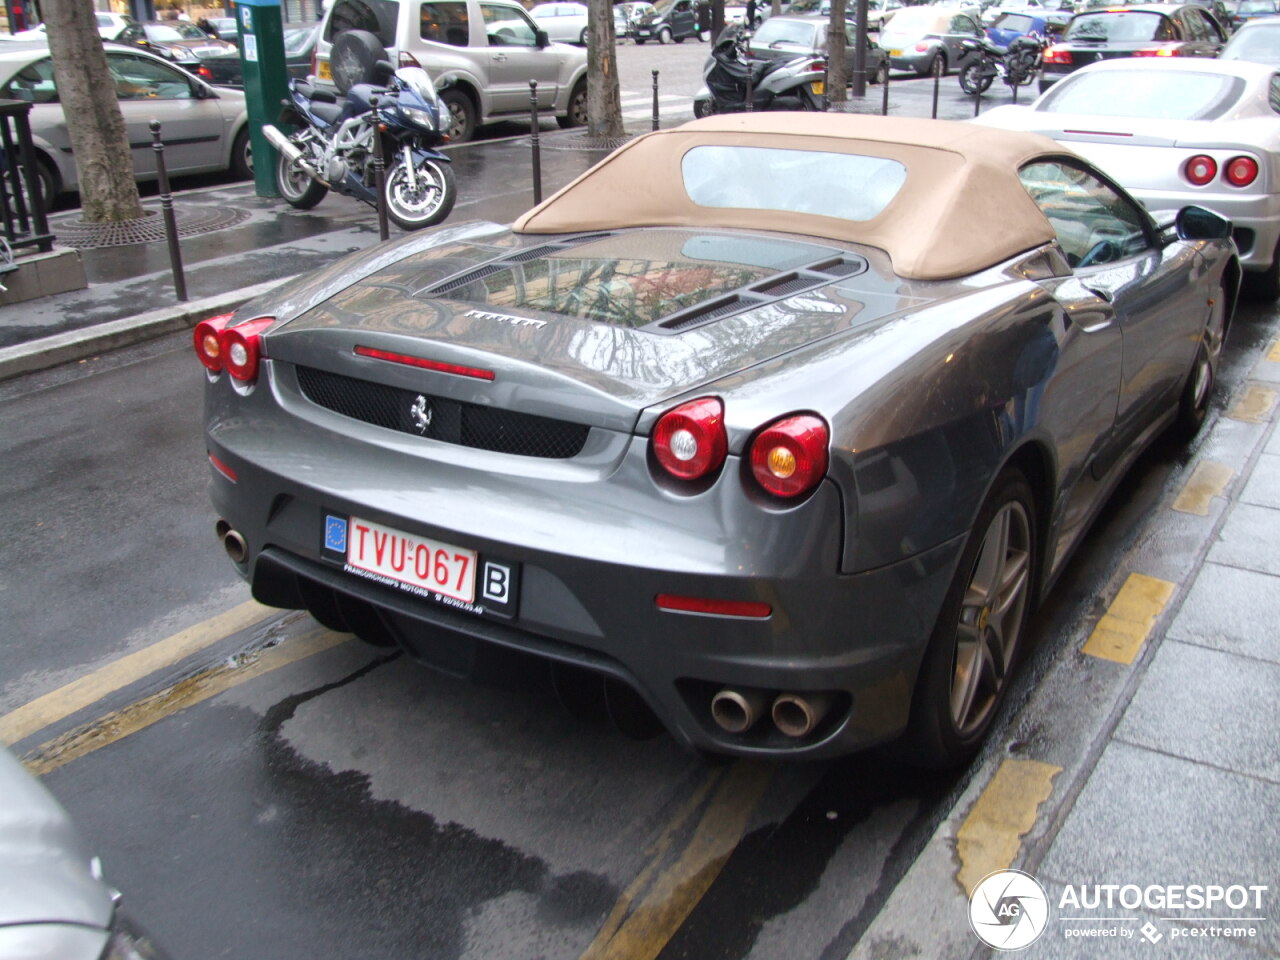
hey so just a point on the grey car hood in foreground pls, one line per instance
(609, 324)
(45, 873)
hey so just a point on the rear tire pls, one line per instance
(1193, 405)
(297, 188)
(576, 115)
(462, 115)
(664, 36)
(352, 58)
(242, 156)
(1265, 285)
(971, 80)
(976, 642)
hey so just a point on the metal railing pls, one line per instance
(22, 206)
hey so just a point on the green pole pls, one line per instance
(266, 82)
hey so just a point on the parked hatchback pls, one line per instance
(927, 38)
(670, 20)
(480, 53)
(1150, 30)
(564, 22)
(1257, 40)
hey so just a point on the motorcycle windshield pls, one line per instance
(419, 81)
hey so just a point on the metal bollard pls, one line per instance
(884, 87)
(380, 177)
(937, 82)
(977, 100)
(170, 221)
(655, 99)
(535, 123)
(1015, 93)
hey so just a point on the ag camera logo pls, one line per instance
(1008, 910)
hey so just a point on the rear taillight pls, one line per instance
(242, 348)
(1057, 55)
(1241, 171)
(407, 59)
(1200, 169)
(208, 341)
(789, 457)
(689, 442)
(1159, 52)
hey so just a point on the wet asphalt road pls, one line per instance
(276, 791)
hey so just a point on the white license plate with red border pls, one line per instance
(410, 559)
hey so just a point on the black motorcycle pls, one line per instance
(332, 147)
(1016, 64)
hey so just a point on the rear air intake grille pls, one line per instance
(451, 421)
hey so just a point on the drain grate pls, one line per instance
(146, 229)
(582, 141)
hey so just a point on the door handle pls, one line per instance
(499, 58)
(1100, 292)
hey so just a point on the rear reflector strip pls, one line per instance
(223, 469)
(422, 363)
(745, 609)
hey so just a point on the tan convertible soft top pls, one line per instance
(961, 208)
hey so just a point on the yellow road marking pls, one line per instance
(129, 720)
(990, 837)
(1207, 481)
(640, 930)
(87, 690)
(1255, 406)
(1123, 629)
(1274, 354)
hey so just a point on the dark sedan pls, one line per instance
(1150, 30)
(183, 42)
(788, 37)
(226, 70)
(777, 425)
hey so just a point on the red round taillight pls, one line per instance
(242, 348)
(689, 442)
(1201, 169)
(1241, 171)
(1057, 55)
(208, 341)
(789, 457)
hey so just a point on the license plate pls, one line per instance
(818, 87)
(429, 565)
(895, 53)
(642, 33)
(323, 70)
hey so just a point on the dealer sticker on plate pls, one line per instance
(426, 568)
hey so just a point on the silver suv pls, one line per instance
(481, 53)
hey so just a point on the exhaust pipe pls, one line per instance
(232, 541)
(736, 711)
(290, 152)
(797, 714)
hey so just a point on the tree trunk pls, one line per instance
(837, 61)
(99, 142)
(604, 96)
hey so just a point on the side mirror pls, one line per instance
(1197, 223)
(541, 39)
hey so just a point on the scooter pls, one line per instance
(1016, 64)
(332, 147)
(730, 72)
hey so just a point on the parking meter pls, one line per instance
(266, 82)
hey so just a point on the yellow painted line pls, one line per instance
(1207, 481)
(89, 689)
(656, 903)
(1255, 406)
(1123, 629)
(1274, 354)
(129, 720)
(991, 836)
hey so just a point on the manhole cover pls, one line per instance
(582, 141)
(146, 229)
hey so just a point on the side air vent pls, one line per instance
(470, 277)
(703, 312)
(840, 267)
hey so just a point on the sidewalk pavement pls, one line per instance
(1146, 758)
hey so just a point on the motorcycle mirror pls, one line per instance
(383, 71)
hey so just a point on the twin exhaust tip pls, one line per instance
(794, 714)
(232, 541)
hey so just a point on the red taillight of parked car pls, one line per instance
(1159, 52)
(1241, 171)
(208, 341)
(242, 348)
(1057, 55)
(690, 442)
(789, 457)
(1200, 169)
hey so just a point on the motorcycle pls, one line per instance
(796, 84)
(1016, 64)
(332, 147)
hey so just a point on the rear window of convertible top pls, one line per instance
(848, 186)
